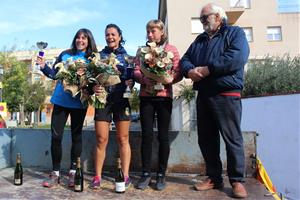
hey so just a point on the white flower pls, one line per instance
(170, 54)
(148, 56)
(145, 49)
(160, 64)
(166, 60)
(151, 44)
(158, 50)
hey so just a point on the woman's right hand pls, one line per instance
(40, 61)
(98, 89)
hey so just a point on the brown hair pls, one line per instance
(157, 23)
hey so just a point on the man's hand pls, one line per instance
(203, 70)
(195, 75)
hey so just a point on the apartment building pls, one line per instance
(269, 32)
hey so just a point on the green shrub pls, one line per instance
(186, 92)
(272, 75)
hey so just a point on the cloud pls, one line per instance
(62, 18)
(46, 14)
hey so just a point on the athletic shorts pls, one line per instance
(116, 111)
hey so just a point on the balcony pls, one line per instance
(236, 9)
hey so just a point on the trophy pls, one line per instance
(129, 75)
(159, 86)
(41, 45)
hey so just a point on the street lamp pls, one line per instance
(1, 86)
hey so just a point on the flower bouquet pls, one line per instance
(155, 62)
(102, 72)
(71, 74)
(80, 77)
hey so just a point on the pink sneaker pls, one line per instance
(51, 181)
(71, 179)
(96, 182)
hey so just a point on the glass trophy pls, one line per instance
(41, 46)
(159, 86)
(129, 75)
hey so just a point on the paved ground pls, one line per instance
(179, 187)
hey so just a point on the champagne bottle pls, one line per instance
(78, 179)
(18, 175)
(119, 179)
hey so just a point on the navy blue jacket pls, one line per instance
(225, 55)
(60, 97)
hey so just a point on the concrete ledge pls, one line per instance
(34, 146)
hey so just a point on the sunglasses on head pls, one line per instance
(203, 18)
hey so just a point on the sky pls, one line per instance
(23, 23)
(288, 5)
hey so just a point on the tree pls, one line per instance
(272, 75)
(18, 93)
(35, 99)
(14, 85)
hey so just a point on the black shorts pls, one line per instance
(117, 111)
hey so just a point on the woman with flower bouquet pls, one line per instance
(156, 69)
(65, 104)
(117, 107)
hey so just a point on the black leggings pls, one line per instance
(162, 106)
(58, 121)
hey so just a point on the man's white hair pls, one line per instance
(218, 9)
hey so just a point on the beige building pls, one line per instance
(30, 56)
(267, 30)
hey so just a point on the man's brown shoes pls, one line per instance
(207, 185)
(238, 190)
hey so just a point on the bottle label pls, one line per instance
(120, 186)
(77, 187)
(17, 181)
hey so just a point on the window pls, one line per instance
(240, 3)
(274, 33)
(249, 33)
(196, 26)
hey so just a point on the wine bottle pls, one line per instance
(119, 179)
(18, 175)
(78, 178)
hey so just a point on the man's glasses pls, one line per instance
(203, 18)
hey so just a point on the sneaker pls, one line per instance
(208, 184)
(127, 182)
(71, 182)
(239, 190)
(96, 182)
(144, 181)
(51, 181)
(160, 182)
